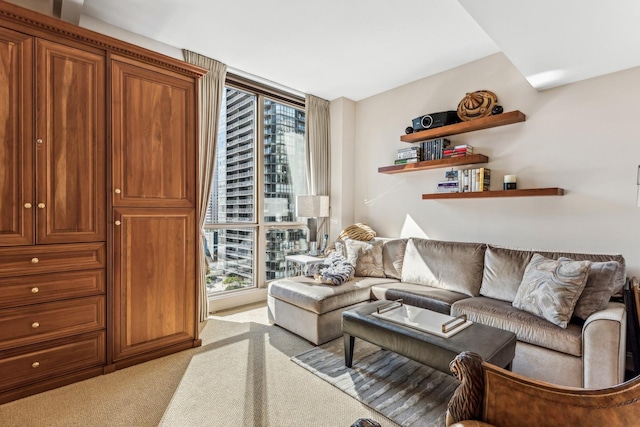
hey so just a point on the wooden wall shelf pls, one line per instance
(435, 164)
(552, 191)
(464, 127)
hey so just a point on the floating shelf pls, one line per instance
(464, 127)
(435, 164)
(553, 191)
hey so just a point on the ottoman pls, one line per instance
(494, 345)
(313, 310)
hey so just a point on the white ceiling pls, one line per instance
(358, 48)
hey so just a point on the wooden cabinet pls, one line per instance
(70, 144)
(82, 294)
(153, 128)
(52, 187)
(154, 279)
(16, 138)
(154, 176)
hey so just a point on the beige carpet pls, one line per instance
(408, 392)
(241, 376)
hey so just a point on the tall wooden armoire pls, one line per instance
(98, 233)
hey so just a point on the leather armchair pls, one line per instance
(491, 396)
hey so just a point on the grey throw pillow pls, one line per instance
(366, 257)
(550, 288)
(598, 290)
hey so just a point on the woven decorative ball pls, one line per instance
(476, 105)
(357, 231)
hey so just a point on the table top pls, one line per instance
(305, 259)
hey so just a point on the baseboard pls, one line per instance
(237, 299)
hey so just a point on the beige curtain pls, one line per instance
(318, 150)
(210, 97)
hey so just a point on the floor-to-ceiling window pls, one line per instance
(260, 169)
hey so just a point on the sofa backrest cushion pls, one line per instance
(454, 266)
(504, 269)
(393, 257)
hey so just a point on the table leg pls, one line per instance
(349, 341)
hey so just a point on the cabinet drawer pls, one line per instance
(48, 321)
(24, 290)
(59, 357)
(20, 261)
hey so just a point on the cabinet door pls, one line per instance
(70, 148)
(154, 136)
(154, 279)
(16, 139)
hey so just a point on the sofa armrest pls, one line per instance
(604, 347)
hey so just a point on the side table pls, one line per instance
(301, 260)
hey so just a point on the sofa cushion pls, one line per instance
(504, 268)
(307, 293)
(528, 327)
(435, 299)
(550, 288)
(393, 257)
(454, 266)
(366, 257)
(598, 290)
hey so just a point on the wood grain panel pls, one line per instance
(24, 325)
(45, 361)
(154, 137)
(154, 279)
(21, 261)
(16, 140)
(17, 291)
(70, 161)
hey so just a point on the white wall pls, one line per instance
(581, 137)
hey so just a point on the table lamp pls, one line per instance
(312, 208)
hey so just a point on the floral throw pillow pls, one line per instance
(551, 288)
(366, 257)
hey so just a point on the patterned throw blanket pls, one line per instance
(334, 270)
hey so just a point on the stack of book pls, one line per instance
(452, 184)
(409, 155)
(434, 149)
(475, 179)
(458, 150)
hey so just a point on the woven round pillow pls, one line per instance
(476, 105)
(358, 231)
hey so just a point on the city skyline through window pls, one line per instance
(260, 162)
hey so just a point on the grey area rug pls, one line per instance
(407, 392)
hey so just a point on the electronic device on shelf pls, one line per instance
(434, 120)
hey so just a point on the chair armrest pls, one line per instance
(604, 347)
(471, 424)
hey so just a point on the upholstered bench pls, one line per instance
(313, 310)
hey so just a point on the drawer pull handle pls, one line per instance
(35, 325)
(34, 260)
(35, 364)
(39, 140)
(41, 205)
(118, 223)
(118, 191)
(27, 205)
(35, 290)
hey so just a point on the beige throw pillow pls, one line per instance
(366, 257)
(550, 288)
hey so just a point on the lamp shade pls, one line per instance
(312, 206)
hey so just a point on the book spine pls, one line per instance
(405, 161)
(408, 154)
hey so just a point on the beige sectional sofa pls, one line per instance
(557, 303)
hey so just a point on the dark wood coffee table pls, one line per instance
(494, 345)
